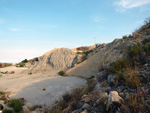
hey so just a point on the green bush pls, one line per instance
(2, 93)
(125, 37)
(20, 65)
(147, 48)
(7, 111)
(36, 59)
(24, 61)
(135, 50)
(16, 104)
(119, 65)
(62, 73)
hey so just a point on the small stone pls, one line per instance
(85, 106)
(85, 111)
(111, 79)
(30, 106)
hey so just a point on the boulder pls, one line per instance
(102, 98)
(86, 98)
(113, 98)
(85, 106)
(111, 79)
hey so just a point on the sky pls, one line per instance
(29, 28)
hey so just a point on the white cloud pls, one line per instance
(126, 4)
(14, 29)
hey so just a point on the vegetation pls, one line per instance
(20, 65)
(36, 59)
(16, 104)
(4, 72)
(72, 98)
(30, 73)
(7, 111)
(24, 61)
(2, 96)
(62, 73)
(3, 65)
(127, 37)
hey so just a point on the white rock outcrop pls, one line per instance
(57, 59)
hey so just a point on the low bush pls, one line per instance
(20, 65)
(119, 65)
(16, 104)
(66, 97)
(129, 77)
(135, 50)
(125, 37)
(36, 59)
(24, 61)
(8, 111)
(62, 73)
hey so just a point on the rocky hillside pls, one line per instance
(105, 54)
(122, 81)
(57, 59)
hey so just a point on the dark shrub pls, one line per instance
(135, 50)
(119, 65)
(36, 59)
(16, 104)
(25, 61)
(125, 37)
(62, 73)
(7, 111)
(66, 97)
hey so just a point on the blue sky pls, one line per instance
(29, 28)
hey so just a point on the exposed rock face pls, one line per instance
(57, 59)
(100, 58)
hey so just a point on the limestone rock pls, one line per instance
(57, 59)
(113, 98)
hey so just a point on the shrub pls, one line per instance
(130, 36)
(30, 73)
(129, 77)
(145, 41)
(62, 73)
(12, 72)
(2, 93)
(125, 37)
(67, 97)
(147, 48)
(16, 104)
(7, 111)
(36, 59)
(24, 61)
(20, 65)
(119, 65)
(91, 84)
(135, 50)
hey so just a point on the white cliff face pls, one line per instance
(57, 59)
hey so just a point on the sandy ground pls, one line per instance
(37, 88)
